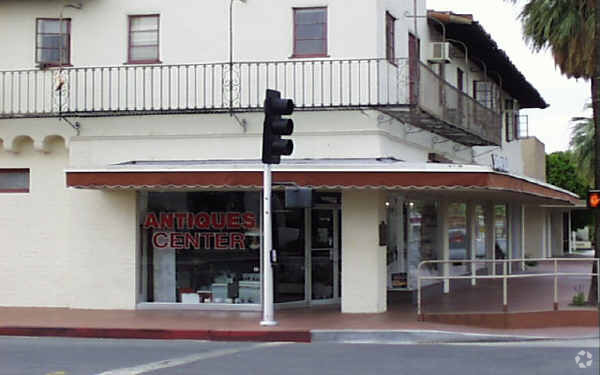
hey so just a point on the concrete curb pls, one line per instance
(424, 337)
(298, 336)
(161, 334)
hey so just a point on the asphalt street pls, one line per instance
(60, 356)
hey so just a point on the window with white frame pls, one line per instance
(53, 41)
(144, 39)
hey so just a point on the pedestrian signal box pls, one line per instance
(593, 199)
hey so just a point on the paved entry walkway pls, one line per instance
(524, 294)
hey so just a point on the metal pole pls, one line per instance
(522, 252)
(231, 58)
(555, 285)
(471, 229)
(598, 279)
(268, 308)
(419, 312)
(504, 286)
(570, 237)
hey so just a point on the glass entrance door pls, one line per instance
(324, 255)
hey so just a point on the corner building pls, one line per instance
(130, 140)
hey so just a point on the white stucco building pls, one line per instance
(130, 141)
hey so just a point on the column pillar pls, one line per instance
(364, 269)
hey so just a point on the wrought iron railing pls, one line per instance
(240, 87)
(202, 87)
(446, 102)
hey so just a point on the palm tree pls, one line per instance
(582, 144)
(571, 30)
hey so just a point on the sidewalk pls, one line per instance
(298, 325)
(466, 314)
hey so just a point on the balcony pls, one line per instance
(240, 87)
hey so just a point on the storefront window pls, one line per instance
(202, 247)
(480, 225)
(457, 237)
(501, 232)
(422, 234)
(289, 241)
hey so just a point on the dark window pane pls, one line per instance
(144, 23)
(316, 31)
(144, 38)
(51, 26)
(310, 47)
(144, 53)
(49, 55)
(304, 16)
(52, 41)
(14, 180)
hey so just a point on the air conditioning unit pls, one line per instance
(439, 53)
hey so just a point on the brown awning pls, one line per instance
(475, 179)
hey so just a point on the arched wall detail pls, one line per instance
(44, 145)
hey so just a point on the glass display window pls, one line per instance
(203, 247)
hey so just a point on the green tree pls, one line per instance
(582, 144)
(571, 30)
(561, 170)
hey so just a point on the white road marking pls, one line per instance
(174, 362)
(585, 343)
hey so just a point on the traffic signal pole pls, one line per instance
(273, 148)
(268, 303)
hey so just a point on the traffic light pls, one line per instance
(593, 199)
(275, 127)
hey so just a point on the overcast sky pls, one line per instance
(567, 97)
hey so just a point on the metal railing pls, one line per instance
(446, 102)
(505, 275)
(203, 87)
(240, 87)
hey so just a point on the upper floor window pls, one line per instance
(487, 94)
(511, 120)
(143, 39)
(390, 38)
(53, 41)
(14, 180)
(310, 32)
(460, 79)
